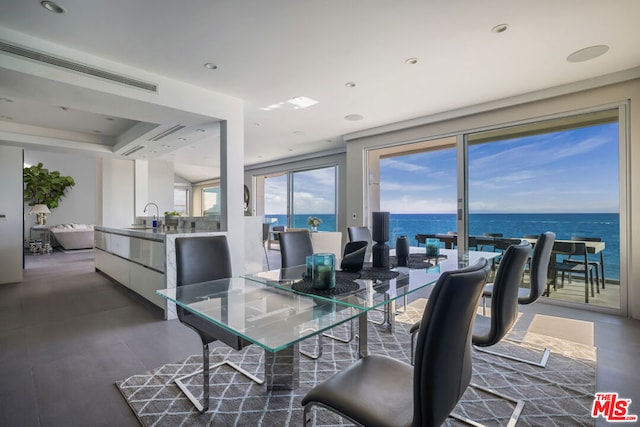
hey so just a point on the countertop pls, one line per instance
(158, 234)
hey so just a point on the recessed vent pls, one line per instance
(167, 132)
(34, 55)
(134, 150)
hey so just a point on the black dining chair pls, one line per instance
(488, 331)
(381, 391)
(596, 264)
(203, 259)
(538, 271)
(295, 246)
(576, 262)
(265, 239)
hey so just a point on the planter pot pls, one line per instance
(171, 221)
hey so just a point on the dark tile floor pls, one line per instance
(67, 334)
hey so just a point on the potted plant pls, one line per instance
(314, 222)
(42, 187)
(171, 218)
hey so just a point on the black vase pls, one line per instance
(380, 234)
(402, 251)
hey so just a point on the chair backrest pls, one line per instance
(295, 246)
(503, 244)
(442, 369)
(504, 297)
(200, 259)
(361, 234)
(353, 256)
(570, 248)
(539, 267)
(277, 229)
(265, 231)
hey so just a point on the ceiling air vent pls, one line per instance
(133, 150)
(40, 57)
(167, 132)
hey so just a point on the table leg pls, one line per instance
(363, 324)
(282, 368)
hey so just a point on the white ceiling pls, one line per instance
(271, 51)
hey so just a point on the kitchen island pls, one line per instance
(142, 259)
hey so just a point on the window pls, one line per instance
(211, 201)
(181, 201)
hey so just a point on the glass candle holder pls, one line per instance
(433, 248)
(324, 271)
(309, 272)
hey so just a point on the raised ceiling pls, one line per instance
(378, 60)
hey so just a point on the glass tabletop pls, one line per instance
(268, 316)
(371, 293)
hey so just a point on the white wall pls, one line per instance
(116, 207)
(154, 181)
(557, 101)
(79, 203)
(11, 221)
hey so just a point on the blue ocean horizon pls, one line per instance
(565, 225)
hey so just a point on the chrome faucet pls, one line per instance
(157, 210)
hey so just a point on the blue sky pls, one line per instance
(567, 171)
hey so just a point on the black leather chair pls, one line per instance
(201, 259)
(295, 246)
(361, 234)
(265, 239)
(538, 270)
(488, 331)
(381, 391)
(353, 256)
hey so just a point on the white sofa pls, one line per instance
(73, 236)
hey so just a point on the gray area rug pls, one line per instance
(559, 395)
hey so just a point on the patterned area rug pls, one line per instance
(560, 394)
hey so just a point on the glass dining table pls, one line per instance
(271, 310)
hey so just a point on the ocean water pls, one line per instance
(565, 225)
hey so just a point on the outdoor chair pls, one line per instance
(593, 263)
(576, 263)
(381, 391)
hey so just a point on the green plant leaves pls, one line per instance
(42, 187)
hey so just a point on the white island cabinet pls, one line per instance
(143, 260)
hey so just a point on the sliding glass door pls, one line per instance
(558, 175)
(291, 198)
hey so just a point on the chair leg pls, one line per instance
(541, 364)
(318, 354)
(202, 408)
(514, 415)
(266, 257)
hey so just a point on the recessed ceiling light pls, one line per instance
(182, 139)
(52, 7)
(6, 118)
(210, 66)
(411, 61)
(166, 146)
(290, 149)
(6, 99)
(256, 124)
(298, 132)
(200, 130)
(350, 84)
(500, 28)
(588, 53)
(109, 118)
(96, 131)
(353, 117)
(260, 158)
(63, 108)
